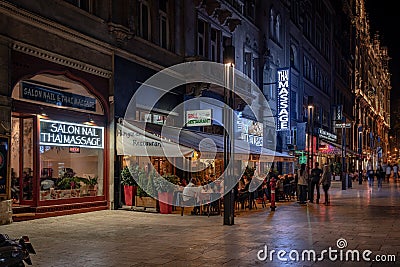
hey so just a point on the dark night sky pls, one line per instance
(384, 18)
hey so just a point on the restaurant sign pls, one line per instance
(58, 133)
(249, 130)
(327, 135)
(199, 117)
(49, 95)
(283, 99)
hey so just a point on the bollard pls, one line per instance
(272, 183)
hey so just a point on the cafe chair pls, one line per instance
(188, 203)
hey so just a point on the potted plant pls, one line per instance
(165, 186)
(91, 182)
(129, 183)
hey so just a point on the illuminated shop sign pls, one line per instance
(283, 99)
(58, 133)
(249, 130)
(198, 117)
(327, 135)
(56, 97)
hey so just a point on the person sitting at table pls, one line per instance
(244, 191)
(190, 196)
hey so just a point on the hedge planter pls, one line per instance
(145, 202)
(130, 193)
(165, 198)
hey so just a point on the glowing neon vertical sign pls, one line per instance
(283, 99)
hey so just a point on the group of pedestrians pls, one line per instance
(383, 171)
(310, 181)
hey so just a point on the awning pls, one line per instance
(134, 141)
(211, 145)
(283, 157)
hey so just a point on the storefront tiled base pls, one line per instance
(24, 214)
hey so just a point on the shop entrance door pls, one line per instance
(23, 157)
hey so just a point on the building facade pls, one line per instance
(70, 70)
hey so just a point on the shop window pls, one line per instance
(62, 172)
(70, 172)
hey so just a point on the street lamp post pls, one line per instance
(310, 131)
(229, 181)
(344, 171)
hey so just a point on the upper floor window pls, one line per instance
(250, 9)
(271, 23)
(210, 40)
(215, 41)
(86, 5)
(250, 67)
(292, 57)
(247, 64)
(144, 20)
(275, 26)
(294, 11)
(164, 24)
(278, 28)
(201, 38)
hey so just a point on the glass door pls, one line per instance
(22, 160)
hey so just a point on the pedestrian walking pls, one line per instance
(370, 173)
(380, 174)
(326, 182)
(303, 183)
(395, 171)
(388, 172)
(316, 173)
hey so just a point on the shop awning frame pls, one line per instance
(197, 141)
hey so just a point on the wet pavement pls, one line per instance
(358, 220)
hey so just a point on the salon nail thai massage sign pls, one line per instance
(57, 133)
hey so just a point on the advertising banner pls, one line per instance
(56, 97)
(283, 100)
(199, 117)
(58, 133)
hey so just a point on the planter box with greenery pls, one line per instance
(91, 183)
(128, 176)
(146, 191)
(165, 186)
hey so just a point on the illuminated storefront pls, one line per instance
(58, 146)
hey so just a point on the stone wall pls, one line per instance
(5, 212)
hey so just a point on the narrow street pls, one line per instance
(365, 219)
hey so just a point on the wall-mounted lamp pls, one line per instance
(90, 121)
(42, 112)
